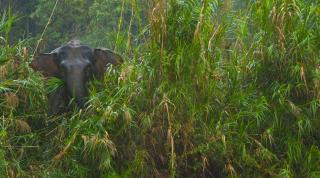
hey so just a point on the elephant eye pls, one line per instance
(88, 55)
(89, 70)
(63, 69)
(62, 56)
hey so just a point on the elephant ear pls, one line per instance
(103, 58)
(46, 64)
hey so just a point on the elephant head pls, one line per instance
(75, 64)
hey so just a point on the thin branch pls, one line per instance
(45, 28)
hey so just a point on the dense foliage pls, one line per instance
(208, 89)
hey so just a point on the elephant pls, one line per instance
(75, 64)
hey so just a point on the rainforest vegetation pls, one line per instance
(209, 88)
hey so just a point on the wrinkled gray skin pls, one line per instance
(75, 64)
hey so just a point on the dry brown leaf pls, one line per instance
(22, 126)
(11, 99)
(3, 72)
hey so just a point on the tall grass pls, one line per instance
(213, 91)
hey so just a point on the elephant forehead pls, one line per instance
(74, 42)
(75, 50)
(75, 62)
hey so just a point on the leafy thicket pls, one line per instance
(208, 89)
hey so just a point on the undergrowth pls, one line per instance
(211, 91)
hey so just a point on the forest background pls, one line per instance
(209, 88)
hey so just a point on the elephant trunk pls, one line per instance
(76, 85)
